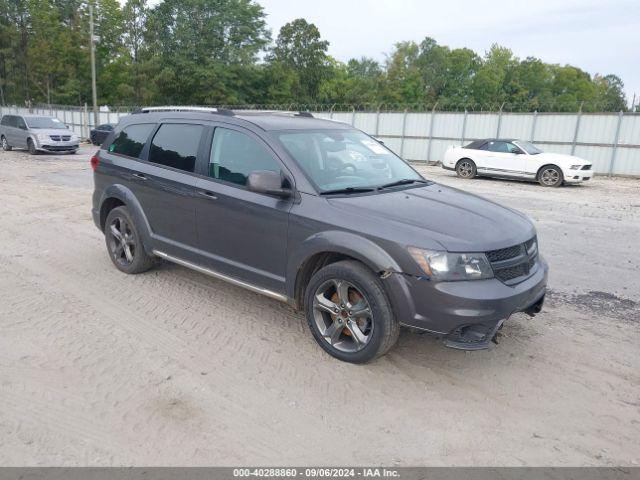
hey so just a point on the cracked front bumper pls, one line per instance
(473, 309)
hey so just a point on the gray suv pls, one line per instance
(319, 215)
(37, 134)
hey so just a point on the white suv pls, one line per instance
(516, 159)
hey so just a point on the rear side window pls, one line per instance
(176, 145)
(131, 140)
(6, 120)
(234, 155)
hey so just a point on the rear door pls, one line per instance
(167, 186)
(501, 159)
(242, 233)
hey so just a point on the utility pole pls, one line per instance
(93, 67)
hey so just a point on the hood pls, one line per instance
(561, 159)
(458, 221)
(52, 131)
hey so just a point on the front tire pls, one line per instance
(349, 313)
(31, 147)
(466, 168)
(550, 176)
(124, 243)
(5, 145)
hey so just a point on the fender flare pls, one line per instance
(335, 241)
(127, 197)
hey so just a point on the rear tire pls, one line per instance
(550, 176)
(124, 243)
(466, 168)
(364, 326)
(5, 145)
(31, 147)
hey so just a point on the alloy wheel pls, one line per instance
(122, 244)
(550, 176)
(465, 169)
(342, 315)
(5, 144)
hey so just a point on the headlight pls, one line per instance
(43, 136)
(452, 266)
(575, 167)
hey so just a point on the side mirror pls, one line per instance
(268, 182)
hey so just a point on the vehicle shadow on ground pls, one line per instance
(260, 314)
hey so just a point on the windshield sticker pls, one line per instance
(375, 147)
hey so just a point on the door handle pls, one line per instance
(140, 176)
(207, 194)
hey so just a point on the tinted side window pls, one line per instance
(20, 123)
(131, 140)
(5, 120)
(176, 145)
(234, 155)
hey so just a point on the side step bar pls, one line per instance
(220, 276)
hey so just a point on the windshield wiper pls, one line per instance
(406, 181)
(348, 190)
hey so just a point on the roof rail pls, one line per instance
(175, 108)
(275, 112)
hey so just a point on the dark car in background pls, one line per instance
(97, 135)
(319, 215)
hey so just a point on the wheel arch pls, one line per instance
(325, 248)
(119, 195)
(548, 165)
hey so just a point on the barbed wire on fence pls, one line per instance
(441, 106)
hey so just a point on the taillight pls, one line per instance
(94, 162)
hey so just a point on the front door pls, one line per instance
(242, 234)
(501, 159)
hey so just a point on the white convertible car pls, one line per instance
(516, 159)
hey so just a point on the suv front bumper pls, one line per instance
(466, 313)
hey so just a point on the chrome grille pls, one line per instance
(57, 138)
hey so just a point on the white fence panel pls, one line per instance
(598, 128)
(481, 125)
(555, 127)
(516, 125)
(428, 134)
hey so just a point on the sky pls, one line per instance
(596, 36)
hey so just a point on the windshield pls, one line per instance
(346, 159)
(45, 122)
(529, 147)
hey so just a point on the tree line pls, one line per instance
(220, 52)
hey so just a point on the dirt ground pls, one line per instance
(174, 368)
